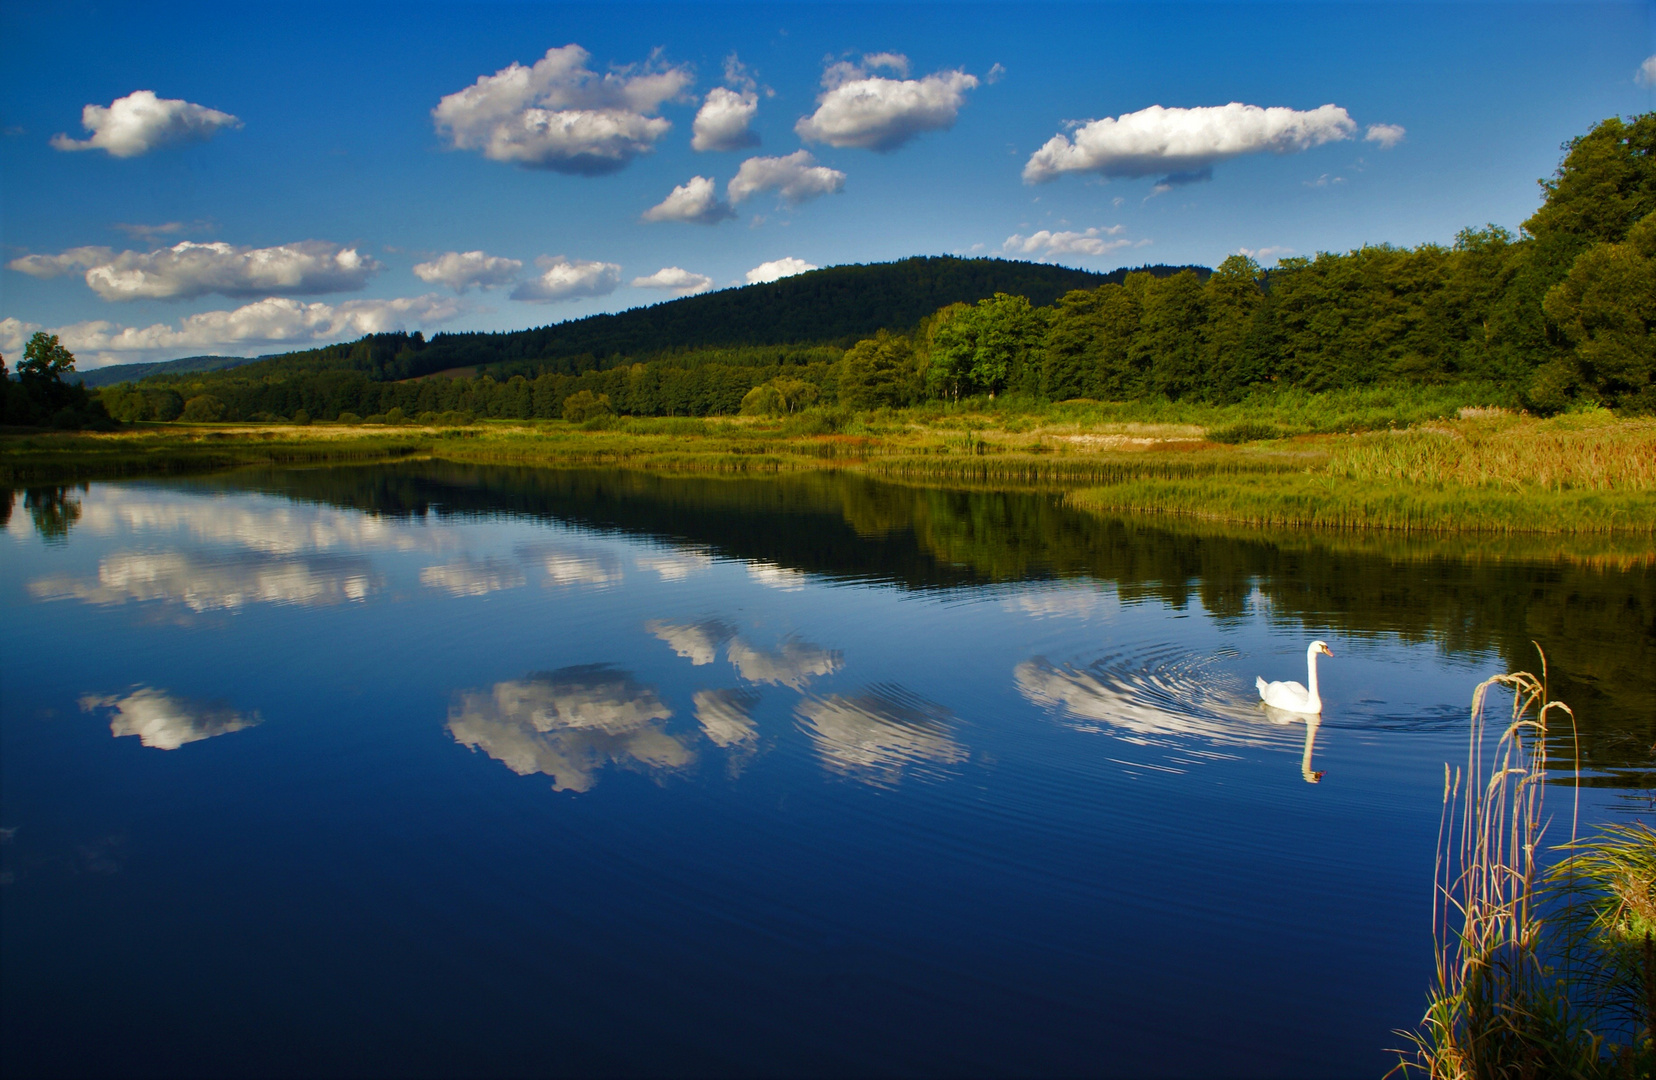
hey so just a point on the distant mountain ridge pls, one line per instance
(184, 365)
(837, 305)
(834, 305)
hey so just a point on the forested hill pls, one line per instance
(836, 305)
(122, 373)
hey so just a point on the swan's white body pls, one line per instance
(1291, 696)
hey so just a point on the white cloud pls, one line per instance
(863, 110)
(796, 177)
(141, 122)
(674, 279)
(560, 115)
(1646, 75)
(462, 270)
(189, 269)
(722, 123)
(569, 279)
(1183, 145)
(694, 201)
(1386, 135)
(1325, 180)
(1047, 244)
(164, 721)
(275, 320)
(997, 72)
(773, 271)
(1265, 254)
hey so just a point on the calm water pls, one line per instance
(457, 771)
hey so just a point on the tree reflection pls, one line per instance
(54, 510)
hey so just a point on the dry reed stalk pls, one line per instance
(1492, 1012)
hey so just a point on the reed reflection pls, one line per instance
(880, 735)
(569, 724)
(166, 721)
(215, 583)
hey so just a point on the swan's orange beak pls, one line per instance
(1326, 651)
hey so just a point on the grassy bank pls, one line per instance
(1484, 470)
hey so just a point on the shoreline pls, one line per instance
(1565, 477)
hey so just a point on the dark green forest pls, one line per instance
(1559, 314)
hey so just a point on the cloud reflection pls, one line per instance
(276, 529)
(1148, 705)
(568, 724)
(880, 735)
(676, 566)
(213, 584)
(726, 716)
(164, 721)
(564, 566)
(697, 642)
(465, 577)
(791, 664)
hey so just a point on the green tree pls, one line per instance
(879, 371)
(1606, 309)
(44, 358)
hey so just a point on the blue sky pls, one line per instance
(313, 146)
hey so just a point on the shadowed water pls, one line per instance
(438, 770)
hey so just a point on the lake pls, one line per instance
(432, 770)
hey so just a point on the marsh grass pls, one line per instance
(1534, 969)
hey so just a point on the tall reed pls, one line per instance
(1496, 1008)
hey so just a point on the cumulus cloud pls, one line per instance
(1184, 144)
(568, 724)
(569, 279)
(860, 109)
(276, 320)
(675, 280)
(796, 177)
(1646, 75)
(462, 270)
(164, 721)
(1267, 254)
(775, 270)
(561, 115)
(694, 201)
(141, 122)
(1386, 135)
(1048, 244)
(189, 269)
(724, 120)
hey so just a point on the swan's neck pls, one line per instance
(1311, 678)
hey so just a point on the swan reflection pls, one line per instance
(726, 716)
(568, 724)
(1312, 723)
(879, 735)
(164, 721)
(205, 583)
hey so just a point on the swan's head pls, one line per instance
(1321, 647)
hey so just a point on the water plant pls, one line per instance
(1512, 995)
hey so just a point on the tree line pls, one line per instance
(1563, 312)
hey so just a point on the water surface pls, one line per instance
(437, 770)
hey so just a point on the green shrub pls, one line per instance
(202, 409)
(583, 405)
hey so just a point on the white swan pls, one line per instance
(1291, 696)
